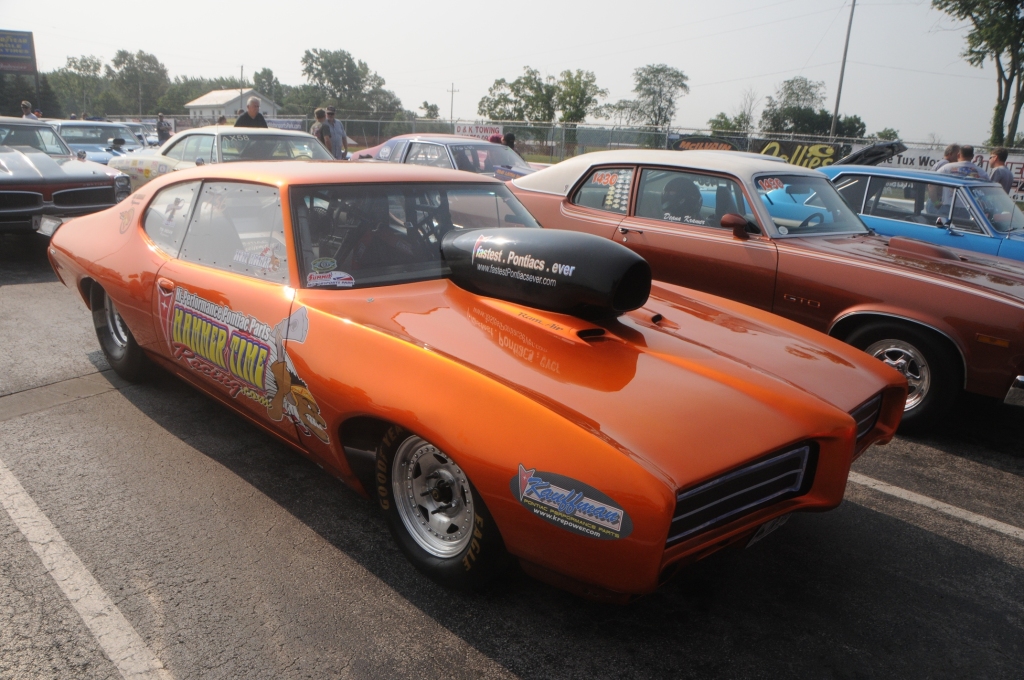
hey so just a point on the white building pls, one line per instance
(227, 103)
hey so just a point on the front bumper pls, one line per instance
(1015, 397)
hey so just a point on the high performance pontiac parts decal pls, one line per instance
(246, 356)
(570, 504)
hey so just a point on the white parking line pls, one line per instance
(121, 643)
(945, 508)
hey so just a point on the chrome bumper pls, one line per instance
(1015, 397)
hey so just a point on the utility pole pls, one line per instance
(451, 111)
(241, 79)
(140, 93)
(842, 72)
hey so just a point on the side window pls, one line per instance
(900, 199)
(238, 227)
(690, 198)
(167, 216)
(433, 155)
(606, 189)
(177, 152)
(396, 154)
(852, 188)
(385, 151)
(204, 148)
(963, 216)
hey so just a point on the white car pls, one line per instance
(219, 144)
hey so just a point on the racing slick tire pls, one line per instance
(435, 514)
(932, 369)
(117, 342)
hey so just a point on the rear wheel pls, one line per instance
(932, 369)
(117, 342)
(435, 514)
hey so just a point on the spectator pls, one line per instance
(321, 131)
(339, 140)
(163, 128)
(39, 114)
(509, 140)
(74, 117)
(964, 167)
(1000, 173)
(222, 120)
(494, 139)
(26, 111)
(252, 118)
(950, 156)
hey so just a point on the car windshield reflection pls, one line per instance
(806, 206)
(999, 208)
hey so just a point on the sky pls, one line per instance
(904, 68)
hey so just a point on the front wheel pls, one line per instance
(932, 369)
(435, 514)
(117, 342)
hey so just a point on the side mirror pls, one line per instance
(737, 223)
(941, 222)
(200, 161)
(80, 155)
(118, 141)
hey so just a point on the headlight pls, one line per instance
(122, 187)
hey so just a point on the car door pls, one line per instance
(675, 224)
(223, 304)
(927, 211)
(599, 203)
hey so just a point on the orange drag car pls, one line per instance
(500, 391)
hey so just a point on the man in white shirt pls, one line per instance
(965, 167)
(26, 111)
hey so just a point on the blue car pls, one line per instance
(97, 138)
(942, 209)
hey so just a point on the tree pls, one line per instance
(888, 135)
(528, 97)
(623, 112)
(742, 120)
(657, 87)
(347, 83)
(997, 33)
(138, 80)
(78, 82)
(264, 82)
(431, 111)
(577, 94)
(797, 108)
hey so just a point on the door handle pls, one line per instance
(165, 284)
(624, 230)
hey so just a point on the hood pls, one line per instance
(874, 154)
(21, 166)
(654, 382)
(992, 274)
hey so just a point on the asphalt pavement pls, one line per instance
(227, 555)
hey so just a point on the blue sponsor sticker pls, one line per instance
(570, 504)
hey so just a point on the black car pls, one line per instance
(42, 181)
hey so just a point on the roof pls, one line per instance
(441, 138)
(222, 97)
(919, 175)
(559, 178)
(326, 172)
(232, 130)
(87, 123)
(11, 120)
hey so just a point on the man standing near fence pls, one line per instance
(321, 131)
(163, 128)
(339, 140)
(1000, 173)
(252, 116)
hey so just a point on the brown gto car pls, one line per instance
(779, 237)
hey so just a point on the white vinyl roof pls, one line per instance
(558, 179)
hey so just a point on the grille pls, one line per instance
(20, 200)
(866, 415)
(742, 491)
(83, 197)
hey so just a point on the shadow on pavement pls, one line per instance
(23, 259)
(846, 594)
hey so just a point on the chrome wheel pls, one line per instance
(909, 361)
(115, 324)
(432, 497)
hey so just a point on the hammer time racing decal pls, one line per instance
(570, 504)
(244, 355)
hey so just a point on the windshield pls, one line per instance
(802, 206)
(33, 136)
(246, 147)
(358, 235)
(999, 208)
(103, 135)
(483, 158)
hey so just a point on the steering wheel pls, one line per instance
(807, 220)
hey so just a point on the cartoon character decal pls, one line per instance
(244, 355)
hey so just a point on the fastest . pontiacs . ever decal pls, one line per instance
(243, 354)
(570, 504)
